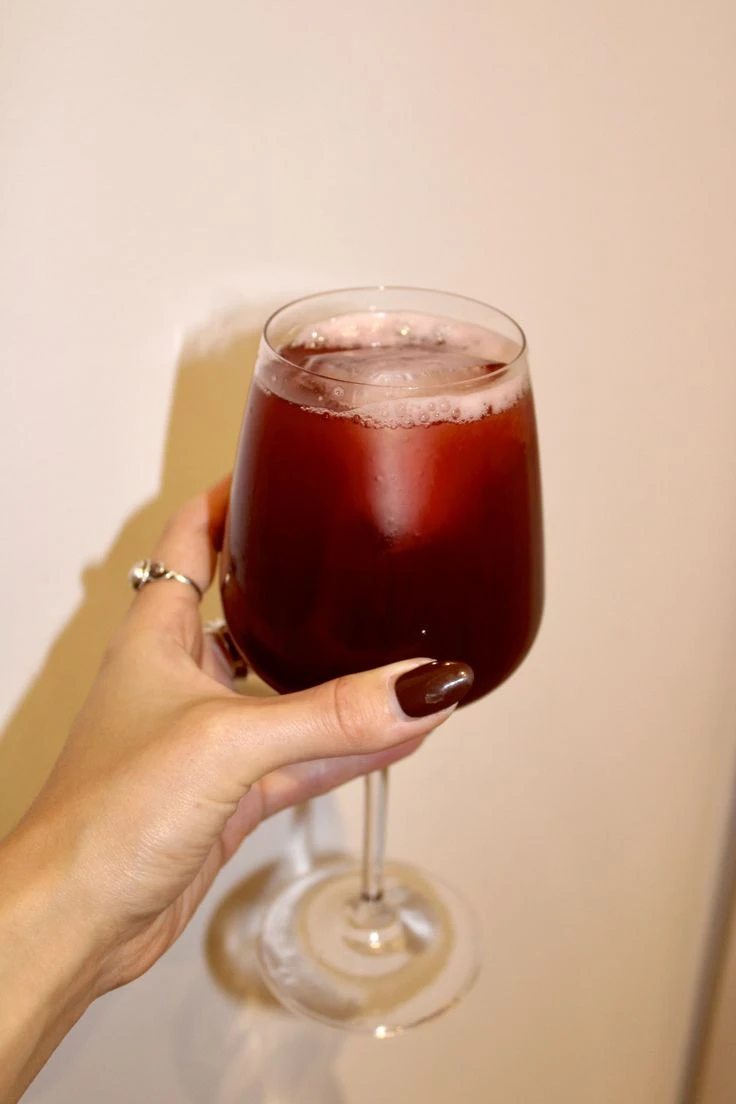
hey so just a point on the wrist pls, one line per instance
(48, 950)
(44, 902)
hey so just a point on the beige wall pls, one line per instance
(165, 161)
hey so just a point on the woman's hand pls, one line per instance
(167, 769)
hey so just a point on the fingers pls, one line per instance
(356, 715)
(188, 545)
(303, 781)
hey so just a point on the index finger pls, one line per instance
(189, 546)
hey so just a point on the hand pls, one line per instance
(167, 769)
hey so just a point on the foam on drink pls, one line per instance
(390, 370)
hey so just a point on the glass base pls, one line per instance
(373, 966)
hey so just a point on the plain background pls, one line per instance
(171, 170)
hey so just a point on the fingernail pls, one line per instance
(432, 687)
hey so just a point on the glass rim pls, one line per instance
(486, 377)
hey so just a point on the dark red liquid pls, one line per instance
(353, 545)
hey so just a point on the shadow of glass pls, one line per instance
(214, 372)
(247, 1053)
(249, 1048)
(232, 934)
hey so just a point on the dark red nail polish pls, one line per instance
(432, 687)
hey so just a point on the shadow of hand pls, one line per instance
(214, 371)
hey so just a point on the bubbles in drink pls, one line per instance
(394, 370)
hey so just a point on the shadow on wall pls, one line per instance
(214, 372)
(247, 1047)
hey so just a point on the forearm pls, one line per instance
(47, 958)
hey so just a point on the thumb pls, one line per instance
(356, 714)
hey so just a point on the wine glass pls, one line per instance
(385, 505)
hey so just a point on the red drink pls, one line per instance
(388, 505)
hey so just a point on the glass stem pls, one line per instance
(374, 835)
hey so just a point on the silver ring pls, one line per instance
(149, 571)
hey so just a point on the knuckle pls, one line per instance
(349, 716)
(204, 726)
(211, 714)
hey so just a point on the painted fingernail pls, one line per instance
(432, 687)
